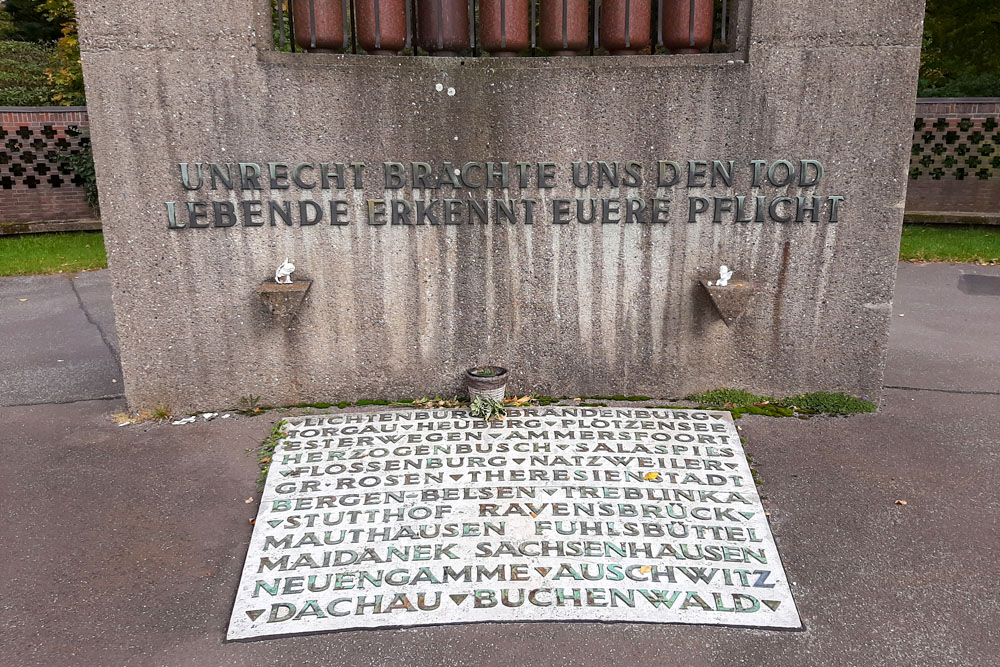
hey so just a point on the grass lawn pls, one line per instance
(976, 244)
(59, 252)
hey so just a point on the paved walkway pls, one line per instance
(59, 341)
(123, 546)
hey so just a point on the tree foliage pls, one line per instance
(6, 25)
(961, 48)
(27, 22)
(66, 73)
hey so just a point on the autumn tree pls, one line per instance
(66, 74)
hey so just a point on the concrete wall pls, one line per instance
(399, 311)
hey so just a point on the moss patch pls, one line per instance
(822, 402)
(266, 451)
(740, 402)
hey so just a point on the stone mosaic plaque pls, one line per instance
(559, 513)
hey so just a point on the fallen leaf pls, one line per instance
(645, 569)
(22, 300)
(652, 475)
(533, 515)
(266, 459)
(253, 522)
(248, 501)
(900, 502)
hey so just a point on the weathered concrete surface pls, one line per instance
(60, 344)
(123, 546)
(571, 309)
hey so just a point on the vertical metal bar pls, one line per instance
(691, 16)
(378, 27)
(441, 24)
(725, 20)
(409, 23)
(345, 9)
(291, 26)
(628, 10)
(312, 23)
(659, 23)
(472, 25)
(565, 22)
(281, 23)
(503, 24)
(597, 25)
(533, 21)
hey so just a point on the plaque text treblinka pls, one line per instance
(428, 517)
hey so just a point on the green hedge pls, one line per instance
(23, 82)
(986, 84)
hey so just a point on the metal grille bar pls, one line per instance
(312, 24)
(628, 10)
(659, 23)
(725, 20)
(597, 25)
(286, 34)
(409, 23)
(691, 16)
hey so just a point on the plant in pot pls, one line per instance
(488, 381)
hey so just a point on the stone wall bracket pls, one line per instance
(284, 299)
(731, 300)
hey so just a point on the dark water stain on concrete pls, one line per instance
(977, 285)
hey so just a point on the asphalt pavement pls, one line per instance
(124, 545)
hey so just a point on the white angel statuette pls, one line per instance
(724, 275)
(284, 270)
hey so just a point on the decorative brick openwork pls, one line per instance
(36, 182)
(955, 157)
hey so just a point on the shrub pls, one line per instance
(23, 80)
(983, 84)
(82, 164)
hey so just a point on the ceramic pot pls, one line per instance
(486, 381)
(505, 26)
(381, 26)
(680, 33)
(625, 26)
(564, 29)
(443, 26)
(319, 19)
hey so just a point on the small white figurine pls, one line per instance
(724, 275)
(284, 270)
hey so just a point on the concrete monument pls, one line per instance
(557, 216)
